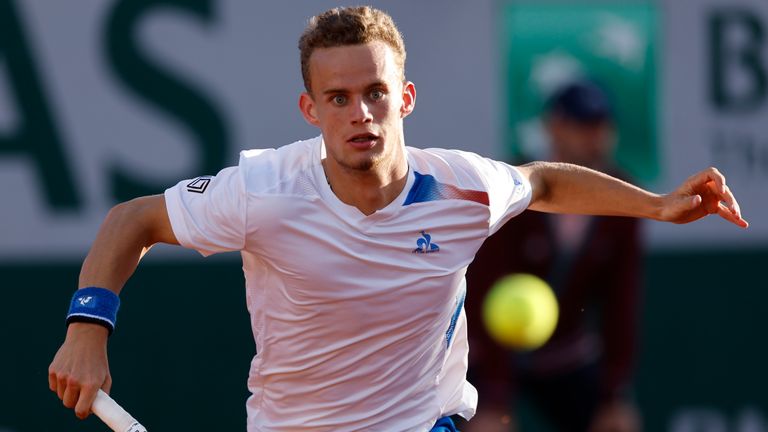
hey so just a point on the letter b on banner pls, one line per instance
(738, 67)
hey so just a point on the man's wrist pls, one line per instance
(94, 305)
(83, 328)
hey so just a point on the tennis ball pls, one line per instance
(520, 311)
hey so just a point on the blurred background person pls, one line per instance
(580, 379)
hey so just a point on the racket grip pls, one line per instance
(114, 415)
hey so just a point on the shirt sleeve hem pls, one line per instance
(178, 224)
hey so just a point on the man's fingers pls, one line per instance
(87, 396)
(76, 395)
(52, 382)
(61, 386)
(736, 208)
(726, 213)
(70, 395)
(107, 386)
(694, 202)
(730, 216)
(729, 204)
(688, 204)
(726, 205)
(713, 175)
(727, 197)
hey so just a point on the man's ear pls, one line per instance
(308, 109)
(409, 99)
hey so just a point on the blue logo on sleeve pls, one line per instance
(424, 244)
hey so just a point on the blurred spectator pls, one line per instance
(579, 380)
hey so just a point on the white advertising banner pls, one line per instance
(103, 100)
(714, 111)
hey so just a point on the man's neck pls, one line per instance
(369, 190)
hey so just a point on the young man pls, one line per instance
(354, 246)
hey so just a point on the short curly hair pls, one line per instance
(349, 26)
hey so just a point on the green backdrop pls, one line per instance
(180, 355)
(547, 44)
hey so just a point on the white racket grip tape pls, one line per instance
(114, 415)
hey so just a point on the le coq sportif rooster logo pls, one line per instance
(424, 244)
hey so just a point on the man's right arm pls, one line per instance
(80, 366)
(568, 188)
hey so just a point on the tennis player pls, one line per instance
(354, 246)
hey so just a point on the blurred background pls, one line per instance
(102, 101)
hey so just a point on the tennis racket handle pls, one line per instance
(114, 415)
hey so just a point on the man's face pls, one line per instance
(358, 100)
(588, 144)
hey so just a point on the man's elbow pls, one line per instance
(536, 173)
(146, 217)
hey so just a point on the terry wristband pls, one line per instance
(94, 305)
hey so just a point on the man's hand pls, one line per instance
(80, 367)
(700, 195)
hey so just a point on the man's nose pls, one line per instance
(361, 112)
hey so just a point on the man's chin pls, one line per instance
(364, 165)
(358, 162)
(361, 162)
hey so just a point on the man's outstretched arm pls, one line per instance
(567, 188)
(80, 366)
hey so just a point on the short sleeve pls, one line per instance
(509, 192)
(208, 213)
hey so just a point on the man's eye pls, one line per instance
(377, 94)
(339, 100)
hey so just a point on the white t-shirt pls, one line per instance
(358, 320)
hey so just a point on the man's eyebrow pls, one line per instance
(335, 91)
(377, 84)
(344, 90)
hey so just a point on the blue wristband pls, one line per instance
(94, 305)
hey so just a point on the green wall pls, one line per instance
(180, 355)
(704, 337)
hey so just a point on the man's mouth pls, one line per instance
(365, 140)
(362, 138)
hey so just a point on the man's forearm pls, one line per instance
(568, 188)
(115, 251)
(127, 232)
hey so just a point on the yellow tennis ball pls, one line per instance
(520, 311)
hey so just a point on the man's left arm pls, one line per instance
(567, 188)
